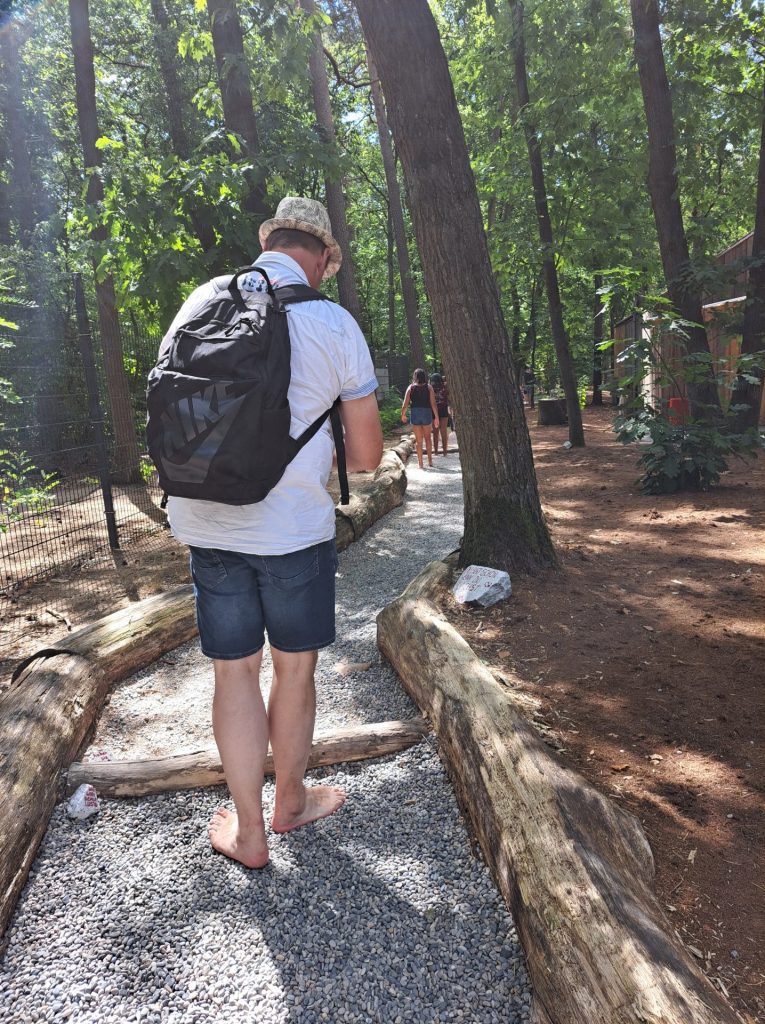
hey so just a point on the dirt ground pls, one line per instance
(645, 659)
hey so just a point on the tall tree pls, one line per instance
(166, 40)
(504, 525)
(397, 219)
(21, 190)
(236, 93)
(748, 393)
(549, 269)
(346, 276)
(684, 291)
(597, 355)
(126, 450)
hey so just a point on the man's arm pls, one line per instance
(363, 434)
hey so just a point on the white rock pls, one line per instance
(83, 802)
(482, 586)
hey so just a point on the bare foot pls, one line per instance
(223, 832)
(320, 802)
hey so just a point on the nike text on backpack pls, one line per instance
(218, 416)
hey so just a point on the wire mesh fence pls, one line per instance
(77, 490)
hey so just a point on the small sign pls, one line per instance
(480, 585)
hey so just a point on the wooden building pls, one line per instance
(723, 312)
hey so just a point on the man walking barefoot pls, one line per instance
(269, 568)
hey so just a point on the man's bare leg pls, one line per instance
(291, 715)
(240, 726)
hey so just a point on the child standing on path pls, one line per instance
(424, 413)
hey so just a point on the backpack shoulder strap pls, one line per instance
(299, 293)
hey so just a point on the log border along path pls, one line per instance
(379, 913)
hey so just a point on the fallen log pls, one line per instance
(371, 501)
(203, 767)
(49, 707)
(574, 868)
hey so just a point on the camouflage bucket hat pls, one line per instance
(305, 215)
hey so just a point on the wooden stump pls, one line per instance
(575, 869)
(552, 412)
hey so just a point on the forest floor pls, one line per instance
(644, 661)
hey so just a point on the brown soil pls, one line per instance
(645, 658)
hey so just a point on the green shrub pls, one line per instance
(390, 410)
(684, 457)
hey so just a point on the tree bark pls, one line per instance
(684, 293)
(236, 93)
(167, 50)
(753, 332)
(504, 526)
(597, 355)
(411, 308)
(346, 276)
(574, 868)
(557, 326)
(47, 711)
(126, 458)
(21, 190)
(204, 768)
(391, 285)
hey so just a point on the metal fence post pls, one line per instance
(85, 342)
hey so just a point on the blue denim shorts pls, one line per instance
(242, 597)
(421, 417)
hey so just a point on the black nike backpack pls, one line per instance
(218, 417)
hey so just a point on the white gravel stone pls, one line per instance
(379, 913)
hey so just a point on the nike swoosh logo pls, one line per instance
(190, 462)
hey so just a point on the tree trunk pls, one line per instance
(574, 868)
(201, 216)
(123, 427)
(6, 235)
(236, 93)
(597, 354)
(753, 333)
(560, 338)
(204, 768)
(391, 286)
(346, 276)
(504, 526)
(684, 294)
(411, 308)
(21, 191)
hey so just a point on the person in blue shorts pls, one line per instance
(423, 414)
(268, 569)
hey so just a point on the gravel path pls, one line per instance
(378, 914)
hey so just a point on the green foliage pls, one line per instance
(686, 456)
(24, 487)
(680, 453)
(390, 410)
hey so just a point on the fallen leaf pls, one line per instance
(692, 856)
(619, 767)
(696, 952)
(655, 757)
(649, 628)
(345, 669)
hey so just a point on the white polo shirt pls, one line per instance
(329, 358)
